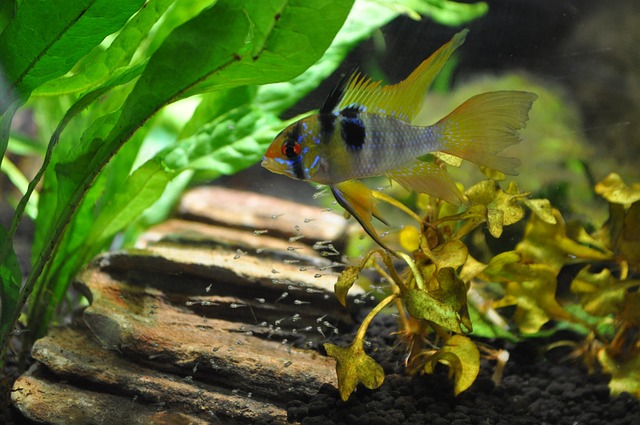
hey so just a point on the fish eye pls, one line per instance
(290, 150)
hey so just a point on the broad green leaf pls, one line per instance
(365, 17)
(10, 282)
(354, 366)
(625, 376)
(45, 39)
(234, 141)
(462, 357)
(346, 280)
(614, 190)
(446, 306)
(98, 66)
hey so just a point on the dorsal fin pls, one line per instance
(402, 100)
(331, 102)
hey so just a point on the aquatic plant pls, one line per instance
(445, 293)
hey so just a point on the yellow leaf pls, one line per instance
(471, 269)
(549, 244)
(502, 206)
(462, 357)
(354, 366)
(628, 242)
(625, 377)
(346, 280)
(532, 288)
(614, 190)
(445, 306)
(542, 208)
(600, 293)
(495, 220)
(452, 253)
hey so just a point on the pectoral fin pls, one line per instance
(356, 198)
(427, 177)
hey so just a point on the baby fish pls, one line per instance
(365, 129)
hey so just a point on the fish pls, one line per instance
(365, 129)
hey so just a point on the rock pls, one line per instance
(199, 323)
(252, 211)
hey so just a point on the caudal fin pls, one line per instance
(480, 128)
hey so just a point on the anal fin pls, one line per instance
(429, 178)
(356, 198)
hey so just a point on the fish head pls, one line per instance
(295, 152)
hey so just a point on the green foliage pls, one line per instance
(133, 101)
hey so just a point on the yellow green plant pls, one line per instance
(443, 292)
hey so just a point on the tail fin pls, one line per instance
(479, 129)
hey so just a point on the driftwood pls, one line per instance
(200, 322)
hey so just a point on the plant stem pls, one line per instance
(414, 270)
(377, 309)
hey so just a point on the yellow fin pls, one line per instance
(402, 100)
(480, 128)
(427, 177)
(357, 199)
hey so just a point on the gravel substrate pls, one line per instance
(534, 390)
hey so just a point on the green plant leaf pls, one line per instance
(45, 39)
(232, 142)
(354, 366)
(445, 305)
(99, 65)
(462, 357)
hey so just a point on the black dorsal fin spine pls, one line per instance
(333, 100)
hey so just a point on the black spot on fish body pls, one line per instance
(327, 125)
(351, 128)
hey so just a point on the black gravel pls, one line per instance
(534, 390)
